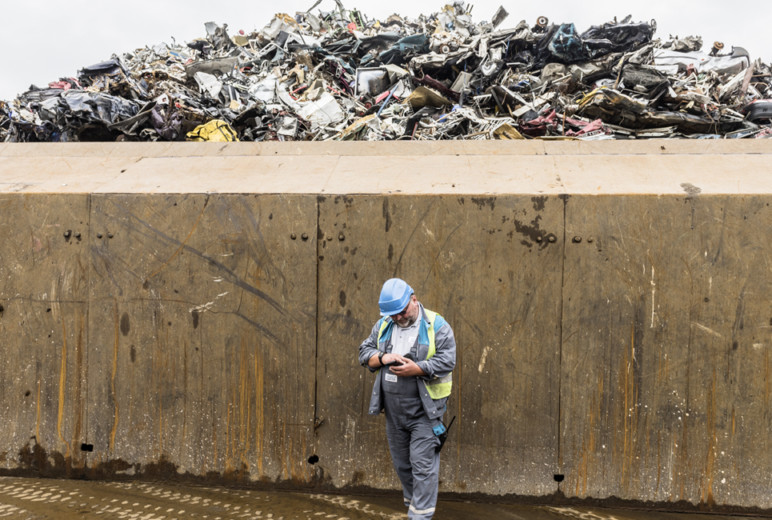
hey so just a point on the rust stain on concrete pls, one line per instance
(228, 426)
(78, 385)
(215, 429)
(259, 412)
(710, 434)
(114, 371)
(37, 414)
(62, 384)
(244, 403)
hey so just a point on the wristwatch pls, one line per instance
(380, 357)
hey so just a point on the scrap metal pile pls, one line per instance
(340, 76)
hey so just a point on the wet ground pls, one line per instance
(33, 499)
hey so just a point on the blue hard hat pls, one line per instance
(395, 296)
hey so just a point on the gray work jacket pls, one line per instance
(440, 365)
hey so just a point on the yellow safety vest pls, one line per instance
(439, 387)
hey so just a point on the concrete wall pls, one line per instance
(169, 309)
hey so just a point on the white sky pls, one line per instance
(43, 40)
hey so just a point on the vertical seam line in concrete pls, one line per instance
(564, 198)
(89, 297)
(318, 324)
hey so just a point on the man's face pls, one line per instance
(408, 315)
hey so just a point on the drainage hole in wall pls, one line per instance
(558, 477)
(313, 459)
(86, 447)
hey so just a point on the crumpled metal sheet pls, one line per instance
(338, 75)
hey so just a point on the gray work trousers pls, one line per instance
(413, 446)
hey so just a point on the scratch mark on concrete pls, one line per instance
(481, 366)
(351, 431)
(55, 307)
(184, 242)
(206, 306)
(258, 326)
(427, 230)
(409, 240)
(707, 329)
(230, 276)
(439, 251)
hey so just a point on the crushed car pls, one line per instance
(339, 75)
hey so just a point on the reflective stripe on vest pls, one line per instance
(439, 387)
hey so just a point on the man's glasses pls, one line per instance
(403, 312)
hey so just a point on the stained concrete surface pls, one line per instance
(41, 499)
(172, 310)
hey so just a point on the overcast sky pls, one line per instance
(43, 40)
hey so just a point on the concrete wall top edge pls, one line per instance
(411, 148)
(481, 168)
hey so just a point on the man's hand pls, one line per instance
(405, 367)
(402, 366)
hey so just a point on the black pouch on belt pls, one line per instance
(441, 431)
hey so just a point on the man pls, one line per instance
(413, 351)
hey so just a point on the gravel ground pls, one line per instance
(38, 499)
